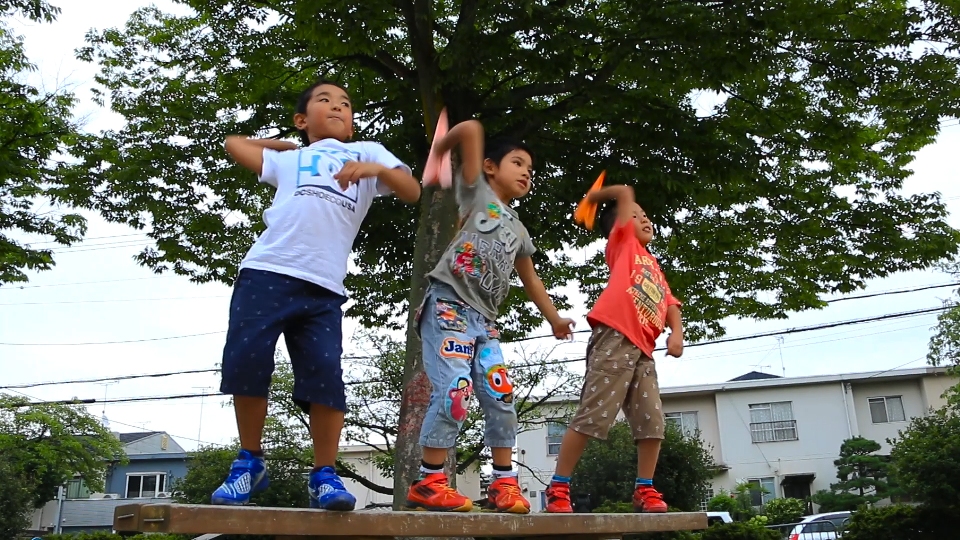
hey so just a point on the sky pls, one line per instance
(98, 314)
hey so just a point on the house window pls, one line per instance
(762, 490)
(705, 503)
(555, 430)
(772, 422)
(686, 422)
(77, 489)
(884, 410)
(145, 485)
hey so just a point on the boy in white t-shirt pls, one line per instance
(291, 282)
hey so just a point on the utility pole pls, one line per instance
(200, 420)
(103, 417)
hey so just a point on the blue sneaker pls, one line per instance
(248, 475)
(327, 491)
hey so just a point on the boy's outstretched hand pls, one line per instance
(563, 328)
(675, 344)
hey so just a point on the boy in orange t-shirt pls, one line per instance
(627, 319)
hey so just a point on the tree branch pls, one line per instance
(347, 472)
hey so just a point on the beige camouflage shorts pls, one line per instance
(618, 375)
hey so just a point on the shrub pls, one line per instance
(902, 522)
(740, 531)
(786, 510)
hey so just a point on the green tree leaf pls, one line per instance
(50, 444)
(34, 127)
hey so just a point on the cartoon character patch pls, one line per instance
(458, 398)
(492, 331)
(467, 262)
(496, 378)
(493, 210)
(451, 317)
(455, 348)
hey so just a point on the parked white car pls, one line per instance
(820, 527)
(718, 517)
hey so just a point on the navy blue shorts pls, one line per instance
(267, 304)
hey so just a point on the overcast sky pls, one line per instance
(55, 327)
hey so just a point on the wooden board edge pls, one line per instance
(126, 518)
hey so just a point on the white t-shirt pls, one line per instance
(312, 222)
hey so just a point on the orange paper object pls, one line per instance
(586, 212)
(438, 170)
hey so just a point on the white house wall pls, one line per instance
(913, 406)
(821, 425)
(706, 408)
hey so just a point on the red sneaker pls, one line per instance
(434, 493)
(504, 495)
(649, 500)
(558, 498)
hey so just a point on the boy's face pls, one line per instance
(329, 115)
(512, 177)
(641, 225)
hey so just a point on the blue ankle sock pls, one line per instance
(557, 479)
(644, 482)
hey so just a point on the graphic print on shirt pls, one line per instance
(315, 177)
(493, 244)
(648, 291)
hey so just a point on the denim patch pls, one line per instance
(458, 399)
(451, 316)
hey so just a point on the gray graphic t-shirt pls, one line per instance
(479, 262)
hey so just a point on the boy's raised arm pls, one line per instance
(538, 294)
(469, 136)
(402, 183)
(624, 197)
(249, 152)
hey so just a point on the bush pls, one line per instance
(927, 460)
(901, 522)
(723, 503)
(786, 510)
(611, 507)
(740, 531)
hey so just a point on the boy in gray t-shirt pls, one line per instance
(457, 320)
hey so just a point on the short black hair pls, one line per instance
(304, 100)
(607, 217)
(496, 149)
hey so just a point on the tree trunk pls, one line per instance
(438, 220)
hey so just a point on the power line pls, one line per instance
(111, 342)
(796, 330)
(109, 301)
(9, 287)
(528, 338)
(88, 238)
(136, 376)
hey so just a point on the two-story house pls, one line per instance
(781, 433)
(155, 460)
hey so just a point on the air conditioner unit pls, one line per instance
(163, 495)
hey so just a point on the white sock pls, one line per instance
(504, 474)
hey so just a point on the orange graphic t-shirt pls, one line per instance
(637, 296)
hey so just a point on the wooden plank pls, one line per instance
(126, 518)
(557, 537)
(302, 522)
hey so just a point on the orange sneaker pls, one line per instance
(649, 500)
(558, 498)
(504, 495)
(434, 493)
